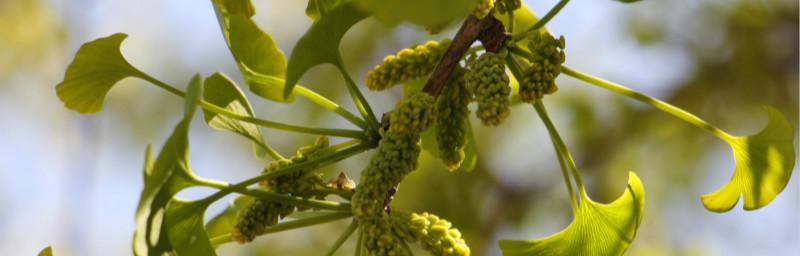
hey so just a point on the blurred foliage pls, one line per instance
(28, 34)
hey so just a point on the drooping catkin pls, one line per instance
(414, 114)
(451, 120)
(545, 65)
(436, 235)
(396, 156)
(409, 63)
(254, 220)
(487, 80)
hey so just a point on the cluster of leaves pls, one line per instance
(166, 224)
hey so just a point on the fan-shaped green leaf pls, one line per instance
(221, 91)
(48, 251)
(317, 8)
(764, 164)
(97, 66)
(184, 225)
(163, 179)
(597, 229)
(427, 13)
(320, 44)
(252, 48)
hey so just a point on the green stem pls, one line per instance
(347, 232)
(289, 225)
(276, 197)
(358, 98)
(659, 104)
(560, 146)
(513, 65)
(511, 21)
(310, 95)
(547, 17)
(359, 243)
(313, 163)
(261, 122)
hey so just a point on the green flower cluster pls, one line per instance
(380, 238)
(254, 220)
(545, 65)
(413, 115)
(452, 114)
(488, 81)
(410, 63)
(483, 8)
(434, 234)
(504, 6)
(396, 156)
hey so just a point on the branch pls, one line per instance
(489, 31)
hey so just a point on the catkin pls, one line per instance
(488, 81)
(409, 63)
(451, 118)
(253, 220)
(436, 235)
(414, 114)
(396, 156)
(545, 65)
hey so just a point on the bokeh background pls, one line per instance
(72, 181)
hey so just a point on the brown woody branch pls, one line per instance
(489, 31)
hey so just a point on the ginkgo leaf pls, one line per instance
(426, 13)
(597, 229)
(97, 67)
(251, 47)
(764, 164)
(221, 91)
(320, 44)
(317, 8)
(184, 225)
(47, 251)
(163, 179)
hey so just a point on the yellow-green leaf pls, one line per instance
(317, 8)
(163, 179)
(597, 229)
(221, 91)
(764, 164)
(48, 251)
(320, 44)
(426, 13)
(97, 66)
(184, 225)
(253, 49)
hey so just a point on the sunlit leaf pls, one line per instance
(320, 44)
(764, 164)
(524, 18)
(252, 48)
(97, 66)
(597, 229)
(184, 225)
(48, 251)
(223, 92)
(427, 13)
(317, 8)
(163, 179)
